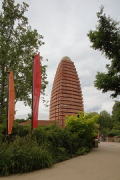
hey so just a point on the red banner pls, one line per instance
(36, 89)
(11, 102)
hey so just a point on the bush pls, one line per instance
(47, 145)
(83, 128)
(23, 155)
(82, 151)
(56, 139)
(40, 135)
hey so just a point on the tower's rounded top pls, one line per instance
(66, 58)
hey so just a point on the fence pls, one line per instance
(113, 139)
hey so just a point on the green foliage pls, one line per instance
(23, 155)
(116, 112)
(82, 151)
(105, 131)
(21, 130)
(56, 138)
(3, 128)
(116, 119)
(109, 125)
(106, 38)
(40, 135)
(114, 132)
(83, 129)
(18, 42)
(105, 121)
(24, 130)
(46, 145)
(91, 114)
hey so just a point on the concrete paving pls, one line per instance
(102, 163)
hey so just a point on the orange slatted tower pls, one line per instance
(66, 97)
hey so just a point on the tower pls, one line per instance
(66, 96)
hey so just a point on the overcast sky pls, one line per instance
(64, 25)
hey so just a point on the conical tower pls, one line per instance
(66, 97)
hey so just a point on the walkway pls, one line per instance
(101, 163)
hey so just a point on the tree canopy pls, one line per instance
(109, 125)
(116, 111)
(106, 38)
(18, 42)
(106, 122)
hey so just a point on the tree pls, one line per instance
(18, 42)
(116, 119)
(106, 38)
(116, 111)
(106, 123)
(105, 120)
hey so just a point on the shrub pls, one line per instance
(40, 135)
(47, 145)
(83, 128)
(82, 151)
(23, 155)
(56, 140)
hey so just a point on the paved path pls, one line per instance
(102, 163)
